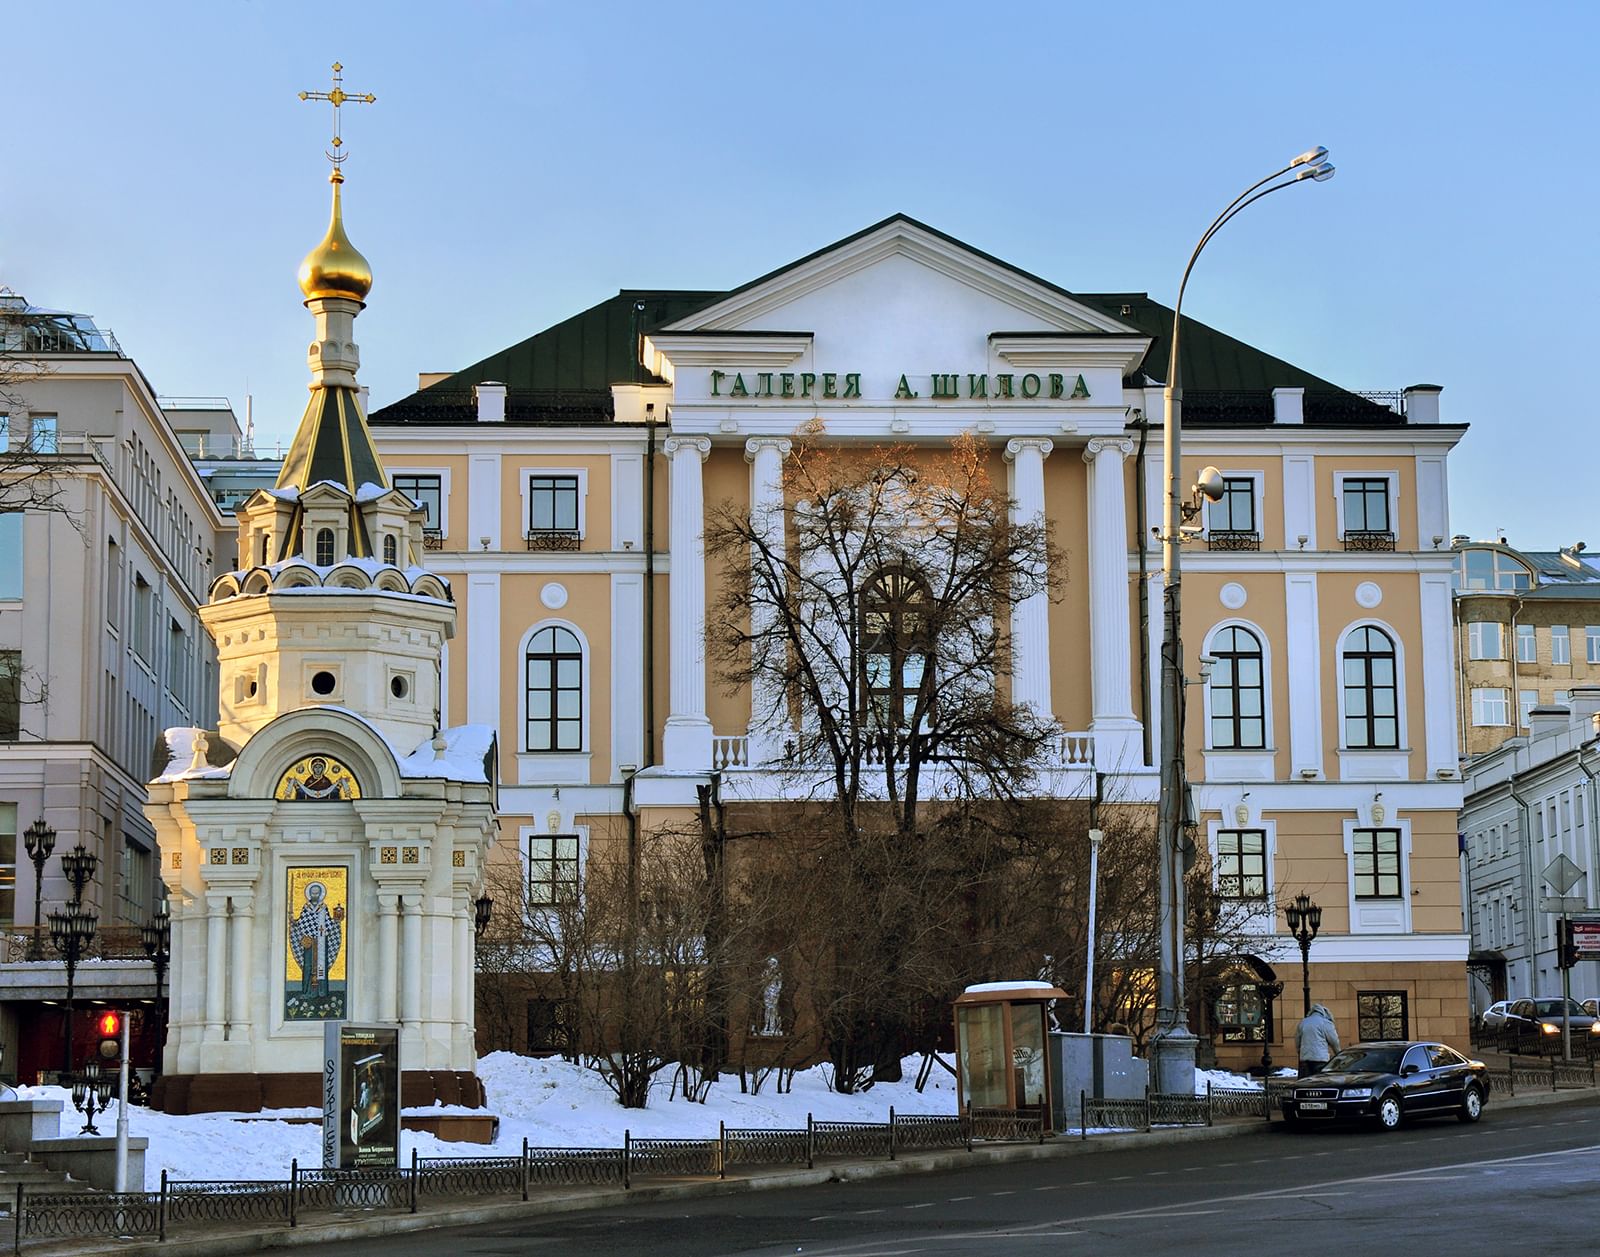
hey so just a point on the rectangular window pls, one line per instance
(46, 439)
(1489, 708)
(1483, 639)
(1381, 1015)
(1560, 698)
(1527, 700)
(1591, 637)
(1235, 510)
(134, 879)
(427, 492)
(549, 1025)
(144, 604)
(1527, 644)
(11, 554)
(552, 503)
(8, 864)
(1377, 864)
(1560, 644)
(552, 868)
(1241, 1014)
(1366, 505)
(1242, 863)
(10, 695)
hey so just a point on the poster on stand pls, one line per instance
(360, 1096)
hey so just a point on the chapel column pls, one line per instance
(388, 956)
(216, 965)
(686, 740)
(768, 712)
(1030, 618)
(411, 961)
(1117, 740)
(461, 926)
(242, 969)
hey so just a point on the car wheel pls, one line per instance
(1291, 1118)
(1471, 1105)
(1389, 1112)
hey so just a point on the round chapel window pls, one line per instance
(322, 683)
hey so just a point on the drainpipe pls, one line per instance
(1516, 694)
(1143, 425)
(1530, 937)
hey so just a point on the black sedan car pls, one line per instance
(1388, 1083)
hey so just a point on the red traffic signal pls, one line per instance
(109, 1026)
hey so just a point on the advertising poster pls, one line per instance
(361, 1097)
(317, 902)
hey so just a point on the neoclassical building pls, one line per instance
(567, 478)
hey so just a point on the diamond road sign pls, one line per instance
(1562, 873)
(1559, 904)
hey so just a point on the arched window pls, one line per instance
(1371, 693)
(554, 668)
(895, 648)
(1238, 692)
(324, 547)
(389, 549)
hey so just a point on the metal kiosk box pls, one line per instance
(1001, 1041)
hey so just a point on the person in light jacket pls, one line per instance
(1316, 1039)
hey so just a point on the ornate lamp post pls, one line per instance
(1270, 991)
(1305, 919)
(91, 1094)
(40, 841)
(1174, 1045)
(72, 931)
(156, 936)
(79, 866)
(482, 911)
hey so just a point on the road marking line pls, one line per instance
(1154, 1173)
(926, 1204)
(952, 1199)
(1120, 1178)
(1008, 1193)
(1050, 1187)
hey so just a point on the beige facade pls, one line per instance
(1331, 564)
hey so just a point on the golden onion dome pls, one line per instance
(335, 268)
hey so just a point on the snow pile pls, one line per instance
(1221, 1079)
(546, 1101)
(465, 749)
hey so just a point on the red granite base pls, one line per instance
(250, 1093)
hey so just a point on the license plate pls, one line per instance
(1313, 1104)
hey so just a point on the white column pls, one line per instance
(483, 651)
(461, 955)
(769, 717)
(686, 741)
(1117, 740)
(1438, 676)
(1030, 618)
(411, 962)
(627, 672)
(239, 1011)
(216, 965)
(388, 956)
(1305, 674)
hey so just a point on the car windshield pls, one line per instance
(1552, 1007)
(1366, 1060)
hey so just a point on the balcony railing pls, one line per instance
(111, 942)
(1063, 751)
(1233, 540)
(553, 539)
(1369, 539)
(433, 539)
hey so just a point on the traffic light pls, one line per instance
(109, 1026)
(1566, 945)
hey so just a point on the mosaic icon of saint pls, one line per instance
(316, 934)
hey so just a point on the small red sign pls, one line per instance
(1586, 937)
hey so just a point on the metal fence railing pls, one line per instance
(1516, 1039)
(181, 1204)
(1100, 1113)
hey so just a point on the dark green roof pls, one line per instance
(332, 443)
(564, 374)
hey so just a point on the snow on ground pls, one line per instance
(546, 1101)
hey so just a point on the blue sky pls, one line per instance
(526, 160)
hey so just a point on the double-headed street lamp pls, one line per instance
(1174, 1044)
(72, 931)
(156, 937)
(1305, 919)
(40, 841)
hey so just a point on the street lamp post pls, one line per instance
(72, 931)
(40, 841)
(482, 911)
(1174, 1045)
(156, 936)
(1305, 919)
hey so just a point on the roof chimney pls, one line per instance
(491, 398)
(1422, 403)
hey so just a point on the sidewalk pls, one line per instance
(222, 1241)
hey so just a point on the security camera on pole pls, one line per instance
(1173, 1049)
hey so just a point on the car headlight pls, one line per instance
(1356, 1093)
(1548, 1028)
(1594, 1027)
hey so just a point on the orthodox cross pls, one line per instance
(337, 97)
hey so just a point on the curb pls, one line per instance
(611, 1197)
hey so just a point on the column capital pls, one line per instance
(1121, 446)
(673, 444)
(1016, 445)
(756, 444)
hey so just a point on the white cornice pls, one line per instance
(1377, 562)
(904, 239)
(666, 351)
(1043, 353)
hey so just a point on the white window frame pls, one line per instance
(1265, 921)
(1481, 713)
(444, 490)
(1256, 631)
(1393, 477)
(1591, 643)
(1379, 916)
(1259, 493)
(1477, 648)
(1527, 633)
(554, 767)
(1563, 634)
(1527, 700)
(527, 474)
(527, 832)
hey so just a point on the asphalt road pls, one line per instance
(1433, 1187)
